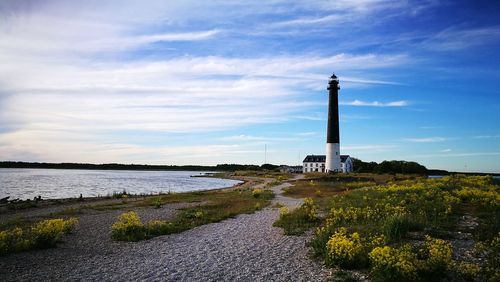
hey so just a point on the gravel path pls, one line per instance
(246, 248)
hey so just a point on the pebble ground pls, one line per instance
(245, 248)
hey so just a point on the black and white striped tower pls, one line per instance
(332, 163)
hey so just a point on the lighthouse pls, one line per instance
(332, 162)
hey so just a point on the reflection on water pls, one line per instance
(62, 183)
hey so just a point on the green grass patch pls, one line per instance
(218, 205)
(396, 227)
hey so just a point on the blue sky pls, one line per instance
(207, 82)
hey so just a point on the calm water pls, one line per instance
(441, 176)
(61, 183)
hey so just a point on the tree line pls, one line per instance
(403, 167)
(115, 166)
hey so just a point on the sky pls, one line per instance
(209, 82)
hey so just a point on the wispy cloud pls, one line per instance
(430, 127)
(376, 148)
(456, 39)
(310, 21)
(426, 139)
(486, 136)
(445, 150)
(307, 133)
(338, 12)
(360, 103)
(370, 81)
(470, 154)
(243, 137)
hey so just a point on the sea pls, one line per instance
(441, 176)
(68, 183)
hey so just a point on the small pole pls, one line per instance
(265, 153)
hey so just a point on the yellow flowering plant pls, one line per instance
(439, 254)
(345, 250)
(392, 264)
(48, 233)
(128, 228)
(257, 192)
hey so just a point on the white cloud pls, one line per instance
(176, 95)
(375, 103)
(68, 79)
(445, 150)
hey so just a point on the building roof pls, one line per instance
(322, 158)
(343, 158)
(315, 159)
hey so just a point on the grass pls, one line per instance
(322, 187)
(299, 220)
(368, 222)
(396, 227)
(262, 173)
(214, 206)
(18, 221)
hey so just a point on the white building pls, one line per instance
(291, 169)
(316, 163)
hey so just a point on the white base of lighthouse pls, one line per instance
(332, 162)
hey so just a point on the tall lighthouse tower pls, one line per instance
(332, 163)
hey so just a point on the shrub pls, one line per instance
(492, 265)
(344, 250)
(157, 203)
(48, 233)
(159, 227)
(310, 209)
(390, 264)
(128, 228)
(257, 192)
(44, 234)
(193, 214)
(13, 240)
(284, 211)
(467, 271)
(439, 254)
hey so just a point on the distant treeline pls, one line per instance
(114, 166)
(389, 167)
(404, 167)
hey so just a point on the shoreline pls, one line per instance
(167, 183)
(13, 206)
